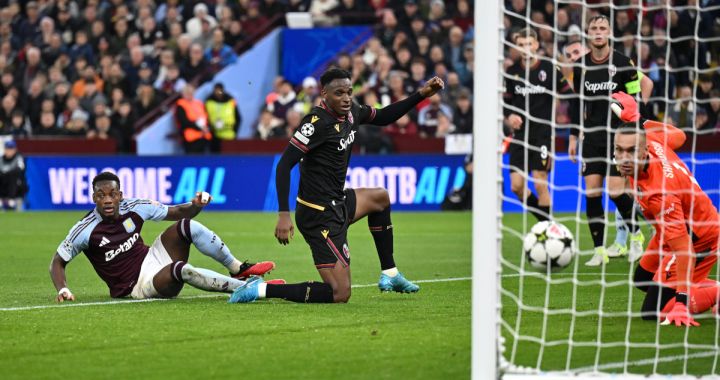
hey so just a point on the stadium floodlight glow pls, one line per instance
(580, 322)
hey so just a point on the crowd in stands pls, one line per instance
(413, 41)
(670, 41)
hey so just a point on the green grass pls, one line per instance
(590, 329)
(378, 336)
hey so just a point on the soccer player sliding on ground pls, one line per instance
(674, 270)
(109, 235)
(324, 210)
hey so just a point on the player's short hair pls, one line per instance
(334, 73)
(525, 33)
(631, 128)
(598, 18)
(105, 176)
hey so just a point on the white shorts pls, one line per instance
(157, 258)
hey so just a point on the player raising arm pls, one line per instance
(109, 235)
(674, 270)
(324, 143)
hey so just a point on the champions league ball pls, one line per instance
(549, 245)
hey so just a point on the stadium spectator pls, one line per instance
(293, 118)
(171, 83)
(13, 184)
(223, 116)
(254, 20)
(7, 107)
(428, 116)
(308, 96)
(463, 113)
(192, 121)
(32, 68)
(681, 114)
(48, 125)
(195, 65)
(453, 47)
(34, 100)
(285, 100)
(82, 48)
(271, 8)
(205, 37)
(147, 99)
(321, 11)
(234, 34)
(404, 126)
(123, 121)
(103, 130)
(18, 127)
(269, 127)
(219, 54)
(73, 120)
(194, 26)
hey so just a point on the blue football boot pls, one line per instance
(248, 292)
(396, 284)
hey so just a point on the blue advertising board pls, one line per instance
(414, 182)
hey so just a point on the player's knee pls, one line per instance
(517, 189)
(382, 198)
(341, 294)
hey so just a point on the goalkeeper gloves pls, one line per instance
(680, 315)
(629, 107)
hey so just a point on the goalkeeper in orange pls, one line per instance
(674, 270)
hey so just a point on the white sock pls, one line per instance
(262, 288)
(234, 267)
(392, 272)
(206, 279)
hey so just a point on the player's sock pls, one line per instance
(381, 230)
(532, 205)
(621, 234)
(392, 272)
(625, 206)
(304, 292)
(204, 279)
(596, 219)
(208, 243)
(702, 299)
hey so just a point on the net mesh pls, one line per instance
(588, 319)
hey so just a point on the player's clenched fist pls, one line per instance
(432, 86)
(201, 199)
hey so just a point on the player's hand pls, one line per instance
(628, 105)
(64, 295)
(284, 229)
(201, 199)
(515, 121)
(572, 149)
(680, 316)
(431, 87)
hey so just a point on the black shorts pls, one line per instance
(324, 227)
(598, 159)
(538, 156)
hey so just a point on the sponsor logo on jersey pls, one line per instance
(533, 89)
(346, 250)
(542, 75)
(301, 138)
(666, 211)
(123, 247)
(314, 118)
(603, 86)
(103, 241)
(612, 70)
(344, 143)
(307, 129)
(129, 225)
(325, 233)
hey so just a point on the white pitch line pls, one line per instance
(103, 303)
(648, 361)
(564, 274)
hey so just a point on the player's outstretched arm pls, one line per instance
(57, 274)
(190, 209)
(626, 109)
(394, 111)
(284, 229)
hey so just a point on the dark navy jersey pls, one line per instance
(532, 90)
(596, 81)
(114, 248)
(326, 139)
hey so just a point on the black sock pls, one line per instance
(596, 219)
(381, 230)
(536, 209)
(625, 206)
(304, 292)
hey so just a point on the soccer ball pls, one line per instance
(549, 245)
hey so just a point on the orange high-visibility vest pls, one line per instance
(194, 110)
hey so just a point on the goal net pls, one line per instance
(585, 321)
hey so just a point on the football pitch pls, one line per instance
(199, 335)
(418, 336)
